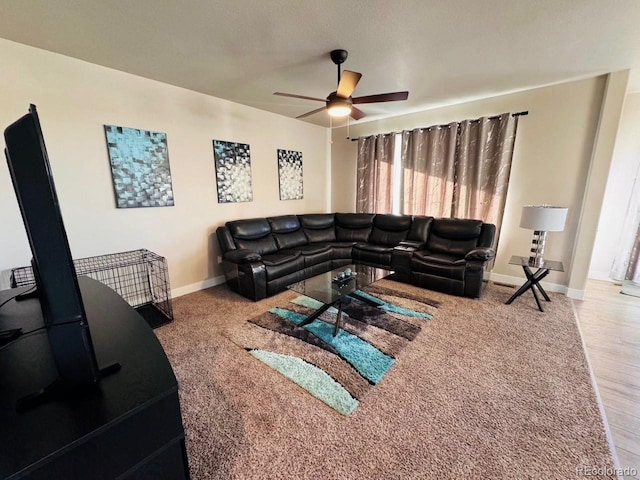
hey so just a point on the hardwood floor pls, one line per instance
(610, 325)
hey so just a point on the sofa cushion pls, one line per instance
(249, 229)
(312, 248)
(390, 229)
(280, 258)
(290, 240)
(280, 264)
(392, 223)
(341, 250)
(284, 223)
(325, 235)
(318, 227)
(369, 254)
(355, 227)
(354, 220)
(262, 245)
(286, 231)
(459, 248)
(253, 234)
(454, 236)
(317, 221)
(420, 227)
(439, 258)
(313, 253)
(438, 265)
(457, 228)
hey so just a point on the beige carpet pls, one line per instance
(486, 390)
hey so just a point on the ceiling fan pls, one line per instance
(341, 103)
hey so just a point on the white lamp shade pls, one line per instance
(546, 218)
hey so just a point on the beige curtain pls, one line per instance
(483, 166)
(459, 170)
(626, 264)
(375, 174)
(428, 170)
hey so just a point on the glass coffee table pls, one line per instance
(331, 291)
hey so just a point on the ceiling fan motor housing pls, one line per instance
(333, 100)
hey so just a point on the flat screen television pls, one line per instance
(56, 281)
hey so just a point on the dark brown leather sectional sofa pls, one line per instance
(261, 256)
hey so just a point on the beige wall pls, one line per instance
(554, 148)
(599, 167)
(75, 99)
(624, 168)
(551, 162)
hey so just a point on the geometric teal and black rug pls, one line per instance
(339, 370)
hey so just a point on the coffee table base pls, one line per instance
(339, 303)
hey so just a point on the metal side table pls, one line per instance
(534, 278)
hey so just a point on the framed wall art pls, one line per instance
(233, 171)
(290, 174)
(139, 167)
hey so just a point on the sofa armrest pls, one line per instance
(482, 254)
(242, 255)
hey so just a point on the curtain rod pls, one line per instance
(446, 125)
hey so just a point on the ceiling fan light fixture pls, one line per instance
(339, 110)
(337, 106)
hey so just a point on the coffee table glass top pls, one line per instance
(324, 289)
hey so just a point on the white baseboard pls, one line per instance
(194, 287)
(576, 294)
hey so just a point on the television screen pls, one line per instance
(56, 281)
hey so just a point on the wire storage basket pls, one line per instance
(141, 277)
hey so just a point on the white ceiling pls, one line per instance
(443, 52)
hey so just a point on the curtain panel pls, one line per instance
(428, 170)
(483, 166)
(459, 170)
(375, 175)
(626, 264)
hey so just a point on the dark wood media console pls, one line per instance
(128, 427)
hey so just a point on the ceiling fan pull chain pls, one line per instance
(331, 127)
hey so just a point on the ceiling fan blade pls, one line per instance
(382, 97)
(348, 82)
(356, 113)
(299, 96)
(312, 112)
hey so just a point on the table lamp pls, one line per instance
(542, 219)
